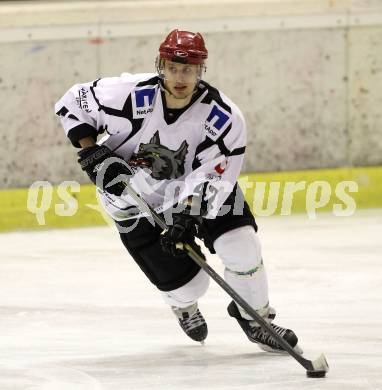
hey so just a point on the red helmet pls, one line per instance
(184, 47)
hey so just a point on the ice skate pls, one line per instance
(192, 322)
(264, 340)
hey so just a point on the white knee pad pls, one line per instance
(240, 252)
(239, 249)
(189, 293)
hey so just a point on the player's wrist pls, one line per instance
(87, 142)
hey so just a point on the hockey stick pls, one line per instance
(315, 369)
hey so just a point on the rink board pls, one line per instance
(84, 210)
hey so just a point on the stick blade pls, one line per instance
(320, 368)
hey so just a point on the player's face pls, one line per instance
(180, 79)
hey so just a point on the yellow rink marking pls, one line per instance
(14, 214)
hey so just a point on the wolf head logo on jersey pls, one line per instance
(163, 162)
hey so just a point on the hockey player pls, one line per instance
(182, 142)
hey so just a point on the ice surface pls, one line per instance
(77, 314)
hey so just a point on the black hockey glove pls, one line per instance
(185, 228)
(91, 160)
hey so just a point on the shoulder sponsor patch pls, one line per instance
(143, 100)
(82, 100)
(217, 121)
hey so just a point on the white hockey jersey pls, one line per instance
(203, 147)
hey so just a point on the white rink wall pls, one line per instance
(307, 75)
